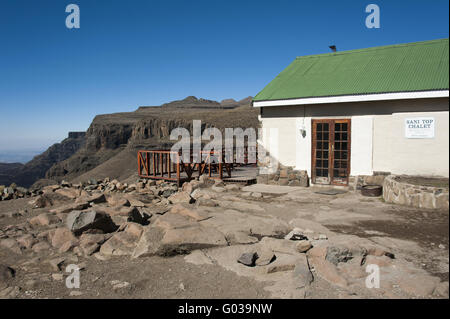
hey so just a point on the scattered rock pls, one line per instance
(44, 219)
(284, 262)
(265, 257)
(65, 209)
(336, 255)
(296, 234)
(80, 221)
(117, 200)
(41, 246)
(58, 277)
(256, 195)
(68, 192)
(26, 241)
(97, 198)
(248, 259)
(327, 271)
(303, 246)
(57, 263)
(41, 201)
(302, 274)
(61, 236)
(181, 197)
(124, 242)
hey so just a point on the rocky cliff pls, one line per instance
(112, 140)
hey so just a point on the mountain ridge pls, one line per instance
(109, 146)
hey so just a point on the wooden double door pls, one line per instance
(331, 151)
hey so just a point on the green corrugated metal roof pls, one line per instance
(418, 66)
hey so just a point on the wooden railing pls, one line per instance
(159, 164)
(169, 166)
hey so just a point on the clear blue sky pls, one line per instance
(130, 53)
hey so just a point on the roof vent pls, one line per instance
(333, 48)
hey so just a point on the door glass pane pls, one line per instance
(322, 164)
(340, 154)
(344, 127)
(319, 172)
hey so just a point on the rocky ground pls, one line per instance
(211, 240)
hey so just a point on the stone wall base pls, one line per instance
(414, 195)
(285, 176)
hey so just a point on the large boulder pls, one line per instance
(124, 242)
(180, 197)
(61, 236)
(90, 243)
(80, 221)
(241, 228)
(180, 241)
(177, 234)
(191, 186)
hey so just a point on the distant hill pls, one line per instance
(8, 171)
(26, 174)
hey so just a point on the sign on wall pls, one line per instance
(419, 127)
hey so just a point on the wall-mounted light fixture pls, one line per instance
(302, 131)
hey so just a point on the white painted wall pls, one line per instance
(378, 142)
(395, 153)
(303, 144)
(361, 145)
